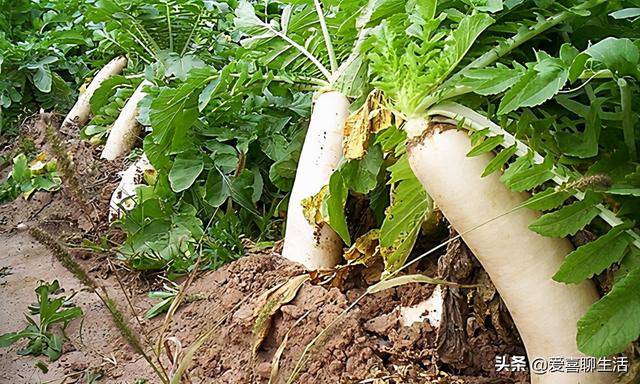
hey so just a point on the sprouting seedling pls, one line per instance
(39, 332)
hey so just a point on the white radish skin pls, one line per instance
(125, 129)
(81, 110)
(520, 262)
(430, 309)
(121, 198)
(322, 150)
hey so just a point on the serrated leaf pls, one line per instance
(612, 323)
(583, 145)
(593, 258)
(499, 160)
(179, 67)
(548, 199)
(630, 262)
(521, 163)
(352, 80)
(491, 81)
(465, 34)
(401, 170)
(491, 6)
(624, 190)
(527, 179)
(108, 88)
(538, 85)
(568, 220)
(172, 113)
(401, 226)
(391, 139)
(485, 146)
(245, 16)
(411, 59)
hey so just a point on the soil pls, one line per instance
(367, 344)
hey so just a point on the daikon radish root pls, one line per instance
(304, 242)
(520, 262)
(125, 129)
(122, 196)
(430, 310)
(81, 110)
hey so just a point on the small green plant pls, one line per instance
(42, 341)
(27, 177)
(167, 295)
(78, 271)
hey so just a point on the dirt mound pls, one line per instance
(368, 343)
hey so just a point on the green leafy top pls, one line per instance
(45, 54)
(313, 39)
(143, 29)
(413, 54)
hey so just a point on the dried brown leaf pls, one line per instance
(273, 300)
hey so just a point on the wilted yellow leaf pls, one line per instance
(84, 85)
(38, 163)
(370, 118)
(150, 176)
(312, 207)
(365, 250)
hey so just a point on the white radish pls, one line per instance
(125, 129)
(430, 309)
(520, 262)
(304, 242)
(122, 198)
(81, 110)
